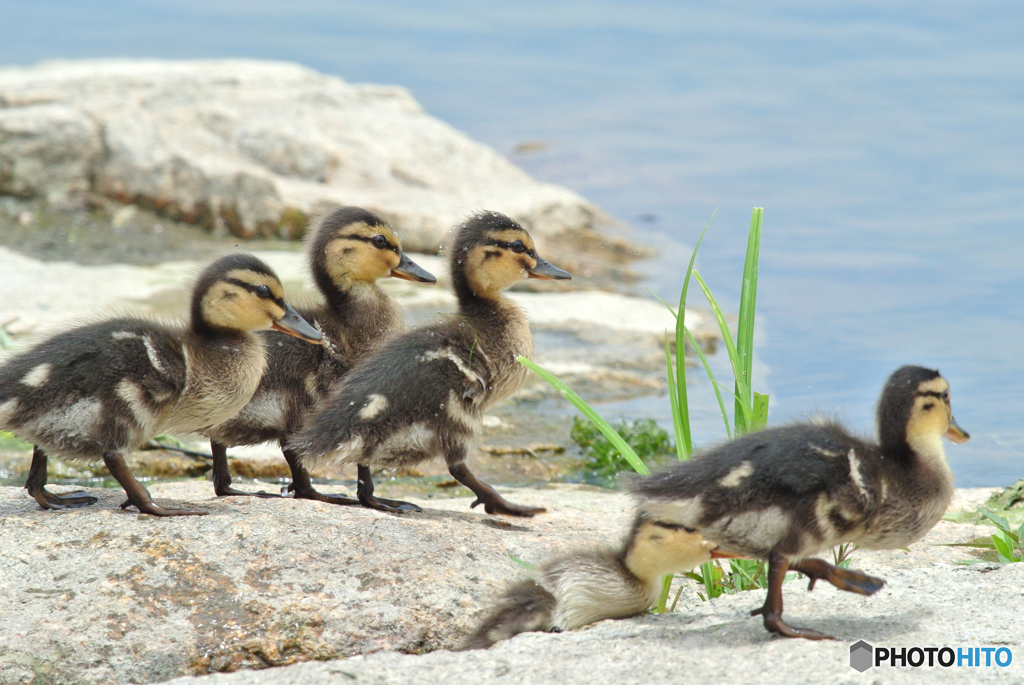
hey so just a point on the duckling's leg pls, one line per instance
(365, 492)
(771, 612)
(137, 494)
(222, 474)
(487, 496)
(844, 579)
(302, 486)
(36, 486)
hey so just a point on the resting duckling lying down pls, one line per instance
(423, 393)
(350, 250)
(572, 590)
(786, 493)
(99, 390)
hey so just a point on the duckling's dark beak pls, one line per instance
(293, 324)
(719, 553)
(546, 272)
(409, 270)
(955, 433)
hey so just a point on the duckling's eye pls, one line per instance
(945, 395)
(518, 246)
(264, 292)
(380, 241)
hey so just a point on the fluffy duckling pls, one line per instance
(572, 590)
(423, 393)
(348, 253)
(95, 391)
(786, 493)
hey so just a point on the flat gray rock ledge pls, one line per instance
(99, 595)
(253, 147)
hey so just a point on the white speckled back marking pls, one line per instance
(375, 404)
(855, 474)
(737, 475)
(451, 356)
(38, 376)
(458, 413)
(133, 396)
(154, 358)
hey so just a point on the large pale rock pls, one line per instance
(99, 595)
(243, 144)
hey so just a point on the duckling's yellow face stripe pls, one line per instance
(502, 259)
(362, 253)
(932, 412)
(244, 300)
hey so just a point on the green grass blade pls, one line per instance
(679, 426)
(738, 569)
(614, 438)
(730, 346)
(730, 393)
(760, 415)
(683, 402)
(666, 584)
(745, 326)
(525, 564)
(714, 383)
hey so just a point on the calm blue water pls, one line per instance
(885, 144)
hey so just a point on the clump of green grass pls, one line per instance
(750, 408)
(1006, 542)
(644, 436)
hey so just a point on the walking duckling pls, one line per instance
(585, 586)
(423, 393)
(95, 391)
(348, 253)
(786, 493)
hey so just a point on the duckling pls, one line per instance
(95, 391)
(786, 493)
(581, 587)
(348, 253)
(423, 393)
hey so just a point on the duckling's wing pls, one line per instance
(425, 380)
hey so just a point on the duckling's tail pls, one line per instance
(524, 607)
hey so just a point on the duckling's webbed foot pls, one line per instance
(36, 486)
(364, 490)
(222, 475)
(302, 487)
(771, 612)
(844, 579)
(487, 496)
(138, 495)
